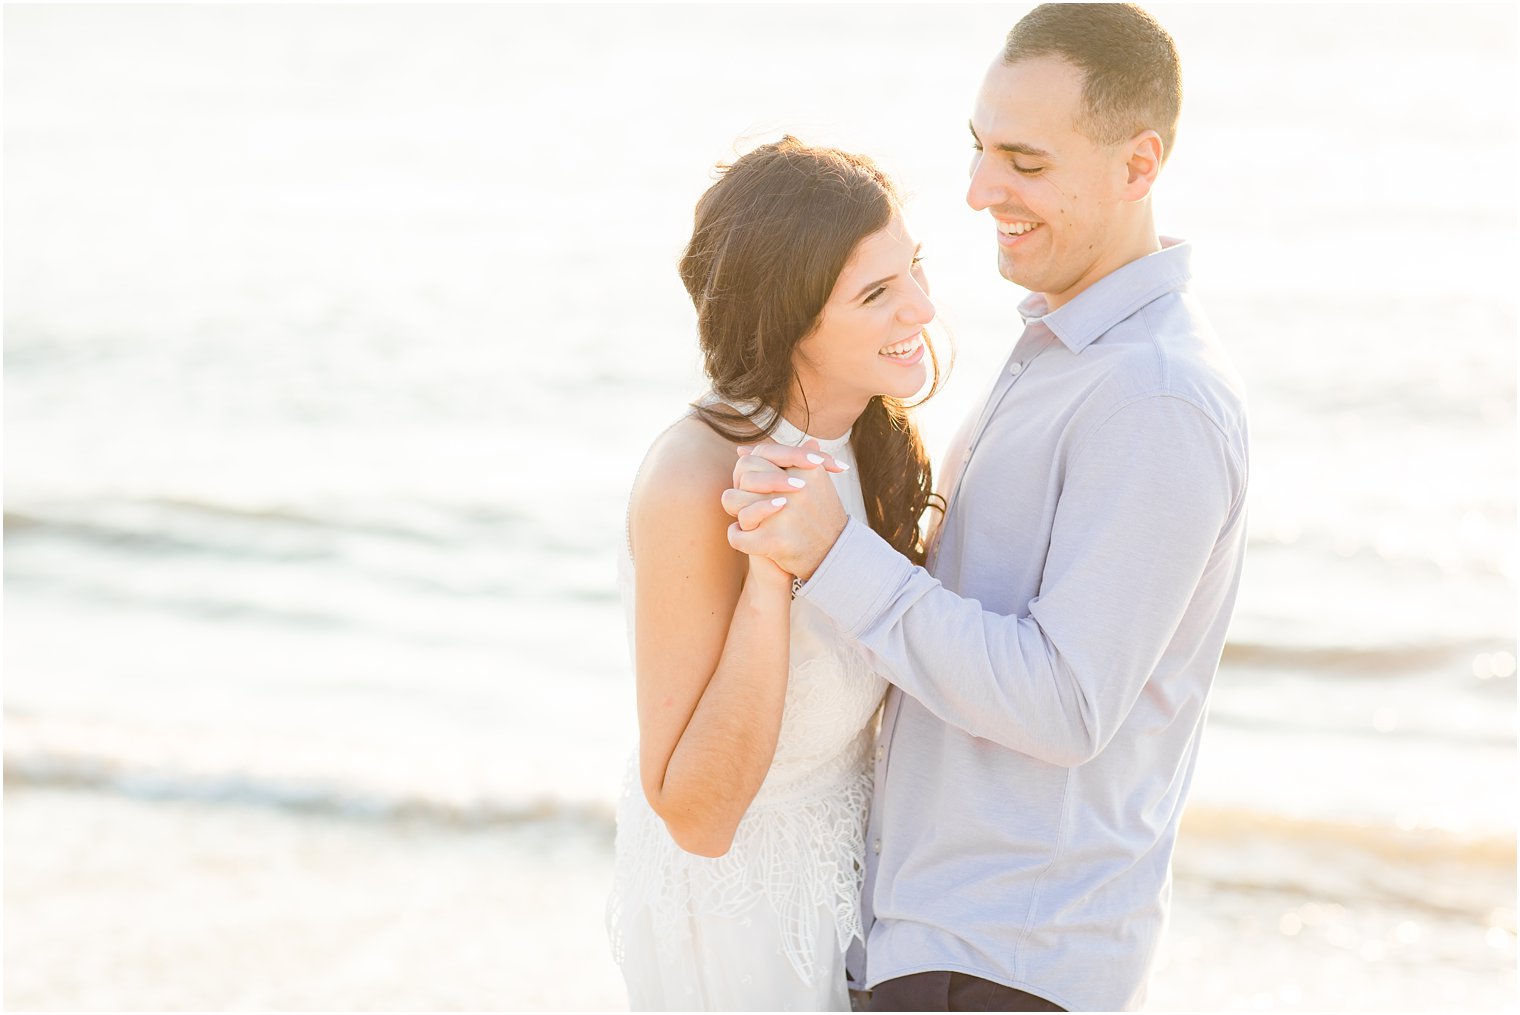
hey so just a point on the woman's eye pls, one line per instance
(917, 260)
(875, 293)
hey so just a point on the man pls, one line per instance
(1052, 666)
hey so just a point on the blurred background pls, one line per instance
(334, 337)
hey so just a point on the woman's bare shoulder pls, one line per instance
(691, 450)
(683, 476)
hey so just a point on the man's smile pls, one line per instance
(1014, 232)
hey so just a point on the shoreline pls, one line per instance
(135, 904)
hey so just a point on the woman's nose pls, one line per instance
(919, 309)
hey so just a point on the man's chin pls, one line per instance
(1026, 276)
(1011, 271)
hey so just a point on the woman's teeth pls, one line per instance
(903, 349)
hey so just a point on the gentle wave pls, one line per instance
(1209, 825)
(297, 795)
(317, 533)
(1404, 846)
(96, 548)
(178, 520)
(1500, 735)
(155, 526)
(1364, 659)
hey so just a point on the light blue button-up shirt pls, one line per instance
(1052, 665)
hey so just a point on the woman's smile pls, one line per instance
(907, 352)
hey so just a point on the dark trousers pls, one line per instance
(938, 991)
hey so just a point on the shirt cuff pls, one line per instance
(857, 578)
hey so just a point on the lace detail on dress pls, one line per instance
(801, 843)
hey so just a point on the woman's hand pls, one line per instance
(765, 572)
(784, 506)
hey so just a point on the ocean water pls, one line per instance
(334, 336)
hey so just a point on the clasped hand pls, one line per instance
(785, 506)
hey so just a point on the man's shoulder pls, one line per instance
(1168, 349)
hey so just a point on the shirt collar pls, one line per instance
(1115, 296)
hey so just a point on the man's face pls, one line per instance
(1052, 192)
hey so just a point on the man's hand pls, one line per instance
(785, 505)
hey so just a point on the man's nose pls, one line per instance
(985, 189)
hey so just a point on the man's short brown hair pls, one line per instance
(1133, 78)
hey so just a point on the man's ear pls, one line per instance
(1143, 164)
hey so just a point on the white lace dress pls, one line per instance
(765, 926)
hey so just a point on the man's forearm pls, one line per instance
(990, 675)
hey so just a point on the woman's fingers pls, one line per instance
(735, 501)
(766, 474)
(784, 456)
(770, 480)
(749, 516)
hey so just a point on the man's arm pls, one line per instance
(1145, 499)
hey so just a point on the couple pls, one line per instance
(1045, 656)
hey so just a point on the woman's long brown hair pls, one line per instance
(770, 239)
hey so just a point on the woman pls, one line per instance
(741, 830)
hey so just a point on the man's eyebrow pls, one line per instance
(1015, 148)
(883, 281)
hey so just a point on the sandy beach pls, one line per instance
(127, 904)
(115, 903)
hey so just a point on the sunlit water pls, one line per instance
(333, 337)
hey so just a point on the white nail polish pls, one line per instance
(798, 483)
(843, 466)
(815, 459)
(779, 502)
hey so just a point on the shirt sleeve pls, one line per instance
(1145, 500)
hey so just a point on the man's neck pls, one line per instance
(1138, 241)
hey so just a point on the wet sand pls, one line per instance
(115, 903)
(120, 903)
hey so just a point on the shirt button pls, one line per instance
(881, 752)
(1016, 369)
(876, 846)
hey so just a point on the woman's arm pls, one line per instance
(713, 639)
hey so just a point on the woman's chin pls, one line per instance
(905, 381)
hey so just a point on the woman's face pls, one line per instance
(869, 339)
